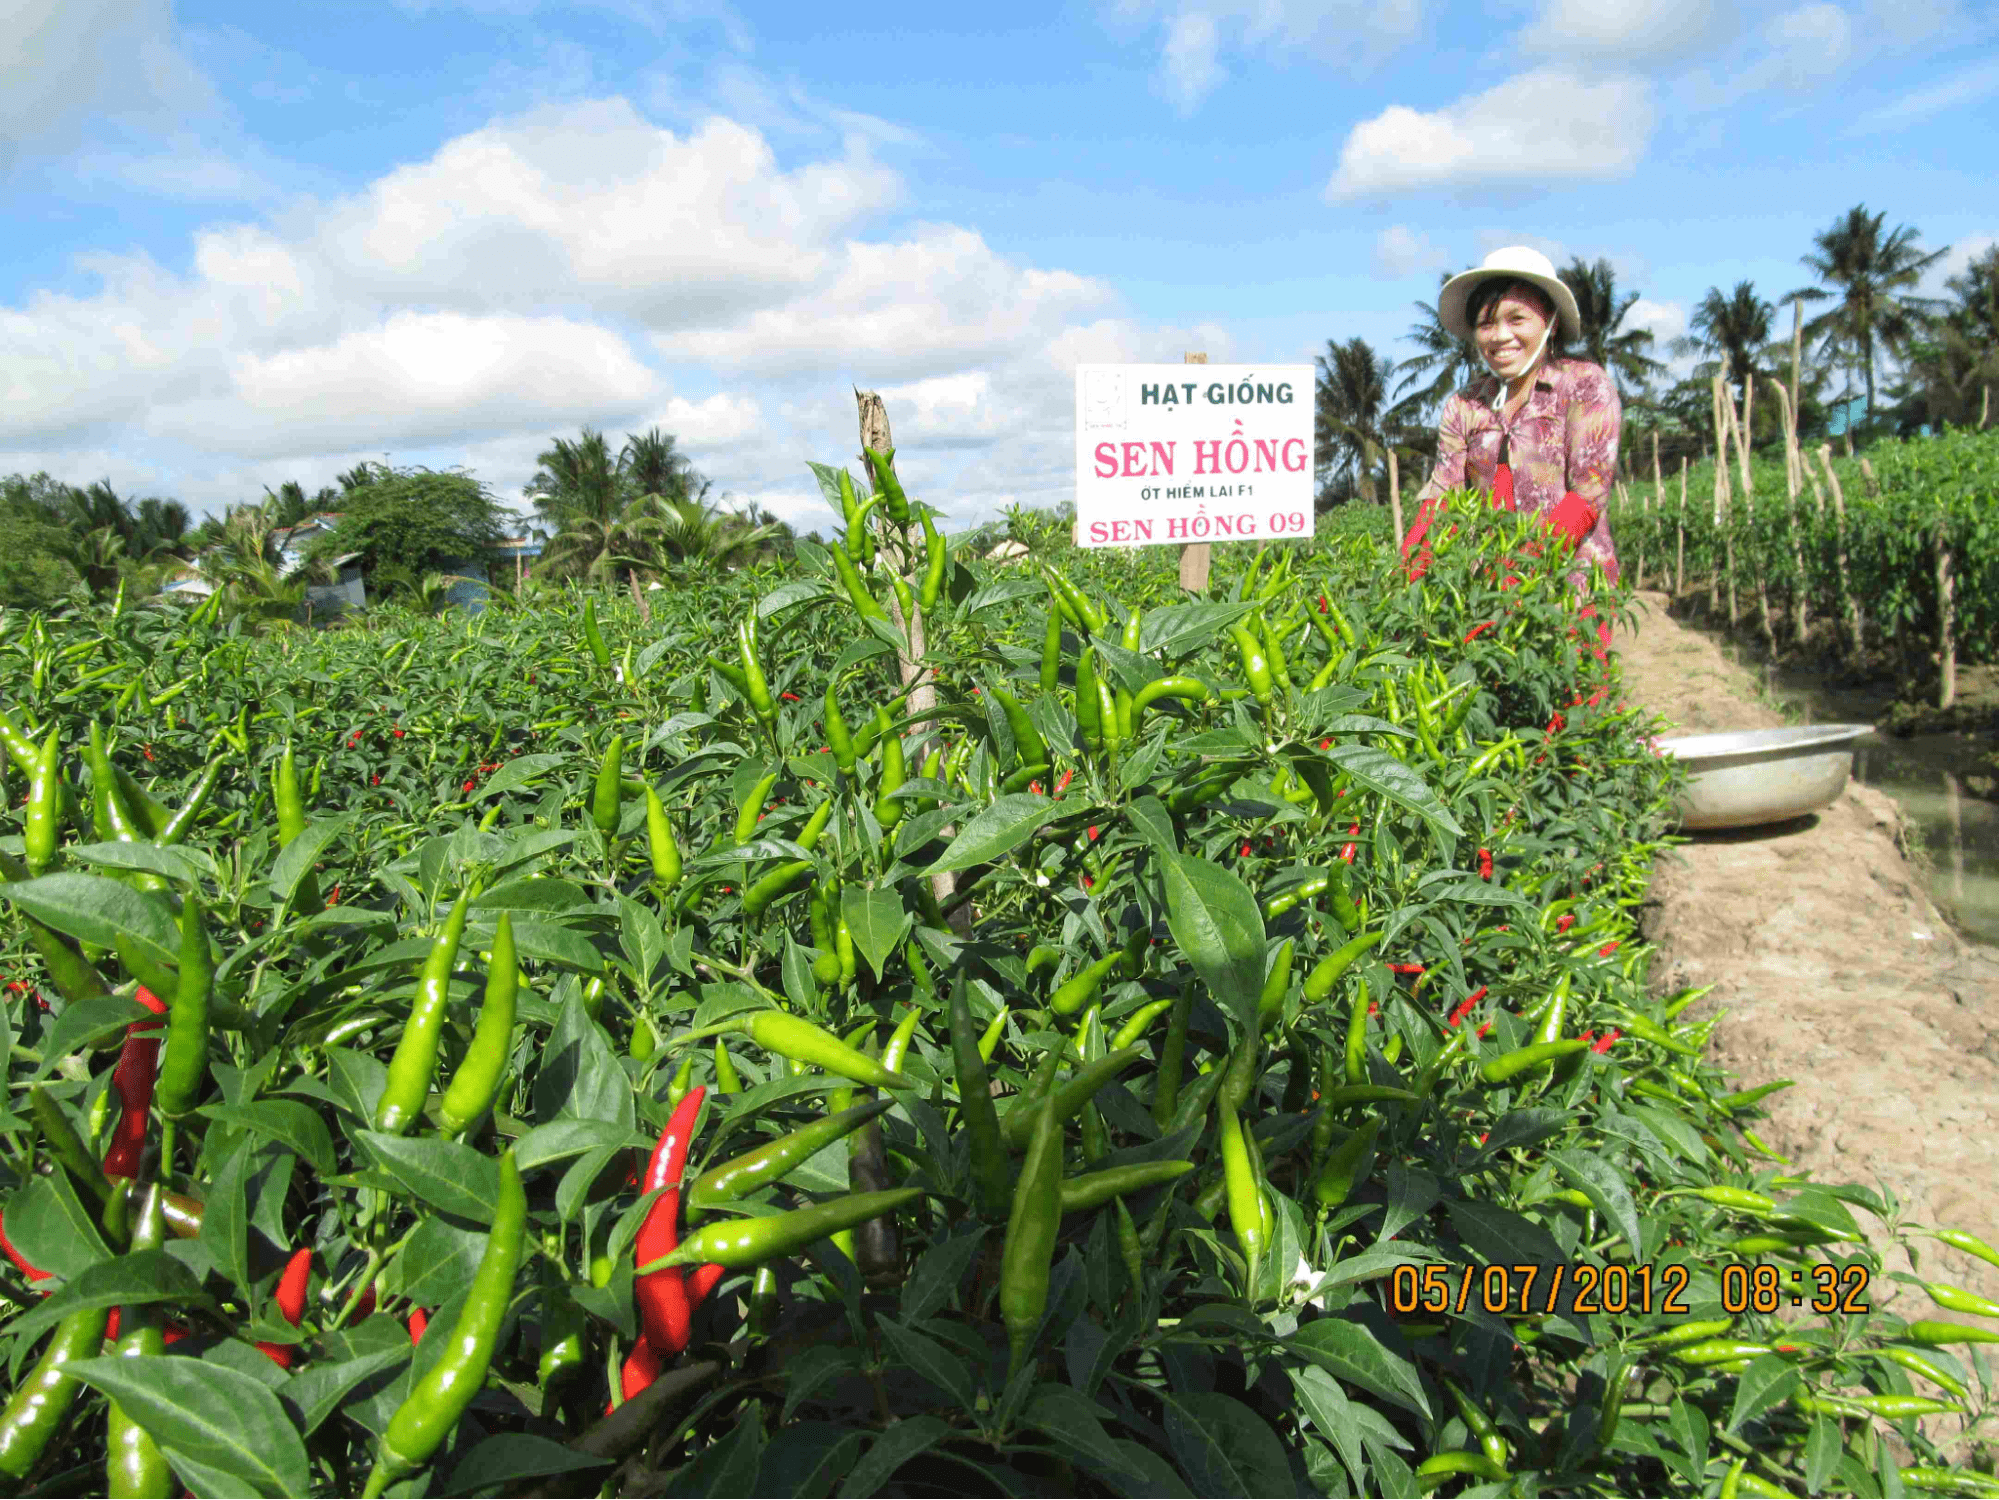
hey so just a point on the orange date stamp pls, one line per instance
(1528, 1290)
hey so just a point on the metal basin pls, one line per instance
(1749, 776)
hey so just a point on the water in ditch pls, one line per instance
(1925, 775)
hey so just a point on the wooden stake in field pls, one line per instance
(1839, 519)
(1800, 589)
(1194, 555)
(1680, 535)
(1394, 497)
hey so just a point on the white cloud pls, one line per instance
(1545, 126)
(1638, 32)
(1954, 263)
(71, 65)
(1960, 91)
(414, 379)
(1400, 251)
(925, 306)
(1352, 35)
(1807, 46)
(1910, 21)
(1665, 321)
(660, 17)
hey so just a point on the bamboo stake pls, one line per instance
(1194, 555)
(1867, 473)
(1946, 618)
(1800, 591)
(1797, 459)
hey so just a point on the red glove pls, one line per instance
(1573, 517)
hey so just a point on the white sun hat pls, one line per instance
(1512, 263)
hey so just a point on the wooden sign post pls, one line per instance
(1194, 556)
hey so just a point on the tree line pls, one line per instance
(1861, 334)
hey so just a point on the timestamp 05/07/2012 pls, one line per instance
(1643, 1290)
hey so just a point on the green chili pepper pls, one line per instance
(40, 1404)
(74, 976)
(837, 737)
(793, 1037)
(1647, 1030)
(607, 799)
(67, 1147)
(975, 1104)
(1029, 1248)
(843, 945)
(1344, 911)
(762, 704)
(989, 1039)
(1028, 745)
(1739, 1198)
(1108, 721)
(1540, 1054)
(888, 810)
(1139, 1022)
(1276, 985)
(740, 1244)
(431, 1411)
(1718, 1351)
(899, 1040)
(1929, 1369)
(934, 558)
(1305, 890)
(133, 1463)
(1089, 712)
(1357, 1035)
(1255, 666)
(1349, 1163)
(661, 846)
(743, 1175)
(1550, 1029)
(1051, 653)
(1490, 1442)
(1459, 1461)
(1094, 1189)
(1172, 1061)
(1685, 1333)
(1070, 1098)
(1082, 987)
(592, 636)
(750, 811)
(415, 1060)
(1931, 1333)
(889, 486)
(1319, 983)
(43, 826)
(1747, 1097)
(184, 1057)
(1245, 1203)
(477, 1082)
(857, 591)
(1273, 650)
(1970, 1244)
(176, 827)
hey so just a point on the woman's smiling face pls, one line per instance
(1509, 333)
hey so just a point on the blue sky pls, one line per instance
(251, 243)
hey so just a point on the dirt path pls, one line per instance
(1836, 970)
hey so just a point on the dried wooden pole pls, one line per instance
(1797, 457)
(639, 598)
(1395, 497)
(1867, 473)
(1194, 555)
(1680, 535)
(1801, 590)
(1839, 519)
(1946, 618)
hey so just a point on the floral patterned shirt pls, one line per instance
(1563, 438)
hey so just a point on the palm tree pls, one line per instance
(1870, 274)
(654, 468)
(1451, 362)
(1354, 419)
(693, 532)
(583, 496)
(160, 526)
(1602, 313)
(1732, 331)
(1956, 365)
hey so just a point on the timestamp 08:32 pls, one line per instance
(1527, 1289)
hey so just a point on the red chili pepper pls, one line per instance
(1093, 833)
(397, 733)
(468, 786)
(664, 1311)
(366, 1307)
(1088, 884)
(1483, 1137)
(1327, 744)
(292, 1286)
(333, 899)
(419, 1320)
(790, 697)
(134, 1077)
(1322, 604)
(1477, 630)
(1565, 921)
(1607, 1041)
(1034, 787)
(1606, 950)
(1244, 852)
(1485, 1030)
(642, 1367)
(1405, 968)
(1485, 864)
(1062, 784)
(701, 1281)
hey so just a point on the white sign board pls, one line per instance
(1193, 453)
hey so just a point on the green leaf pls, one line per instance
(1381, 773)
(208, 1416)
(932, 1361)
(290, 1122)
(302, 853)
(437, 1265)
(878, 923)
(319, 1391)
(1604, 1186)
(84, 1022)
(521, 771)
(557, 945)
(1182, 629)
(1352, 1353)
(225, 1216)
(561, 1139)
(510, 1458)
(1151, 822)
(188, 866)
(785, 596)
(1770, 1379)
(534, 893)
(448, 1176)
(136, 1278)
(579, 1077)
(1215, 920)
(890, 1451)
(97, 910)
(1224, 1447)
(49, 1225)
(1326, 1407)
(996, 832)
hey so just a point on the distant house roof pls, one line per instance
(518, 546)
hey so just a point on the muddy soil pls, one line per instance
(1835, 969)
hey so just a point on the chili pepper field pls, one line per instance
(1163, 1046)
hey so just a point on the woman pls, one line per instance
(1541, 432)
